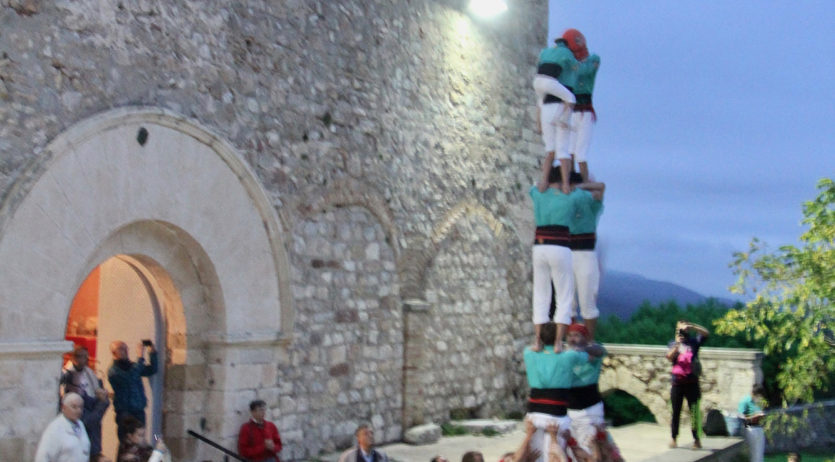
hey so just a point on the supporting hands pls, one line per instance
(555, 452)
(525, 453)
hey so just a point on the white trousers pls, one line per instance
(755, 437)
(587, 277)
(552, 263)
(554, 118)
(546, 85)
(580, 137)
(584, 424)
(541, 439)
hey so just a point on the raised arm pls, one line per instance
(699, 329)
(673, 352)
(524, 453)
(595, 350)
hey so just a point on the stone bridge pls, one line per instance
(644, 372)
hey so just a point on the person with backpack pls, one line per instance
(684, 355)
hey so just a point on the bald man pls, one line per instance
(65, 439)
(125, 376)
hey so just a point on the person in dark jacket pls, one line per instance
(78, 377)
(125, 377)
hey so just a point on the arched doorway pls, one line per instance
(180, 202)
(121, 299)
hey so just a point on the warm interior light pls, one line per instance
(487, 8)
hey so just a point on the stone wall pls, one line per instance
(369, 125)
(644, 372)
(801, 428)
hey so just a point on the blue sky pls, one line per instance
(715, 121)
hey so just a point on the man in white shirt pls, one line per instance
(364, 452)
(65, 439)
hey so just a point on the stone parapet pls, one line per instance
(644, 372)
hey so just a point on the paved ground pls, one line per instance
(638, 442)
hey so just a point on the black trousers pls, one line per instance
(677, 394)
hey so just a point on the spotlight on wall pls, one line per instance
(488, 8)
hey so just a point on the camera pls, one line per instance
(147, 343)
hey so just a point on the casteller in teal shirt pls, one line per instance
(562, 57)
(748, 407)
(586, 75)
(587, 212)
(552, 207)
(588, 373)
(546, 369)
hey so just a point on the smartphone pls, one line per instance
(147, 342)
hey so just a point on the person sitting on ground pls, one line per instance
(752, 415)
(473, 456)
(258, 439)
(134, 446)
(364, 451)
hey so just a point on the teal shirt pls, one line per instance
(586, 74)
(587, 212)
(588, 373)
(748, 407)
(546, 369)
(552, 207)
(562, 56)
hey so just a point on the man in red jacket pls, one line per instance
(258, 440)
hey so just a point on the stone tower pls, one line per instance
(328, 201)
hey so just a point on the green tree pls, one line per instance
(793, 290)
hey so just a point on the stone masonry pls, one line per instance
(644, 372)
(394, 142)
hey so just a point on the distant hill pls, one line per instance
(622, 293)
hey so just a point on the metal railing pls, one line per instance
(227, 453)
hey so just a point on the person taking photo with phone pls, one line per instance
(125, 377)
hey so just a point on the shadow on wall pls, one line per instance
(623, 408)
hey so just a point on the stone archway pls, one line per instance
(153, 185)
(472, 252)
(643, 371)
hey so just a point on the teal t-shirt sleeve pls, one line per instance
(743, 406)
(580, 357)
(597, 207)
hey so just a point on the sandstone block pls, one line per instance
(423, 434)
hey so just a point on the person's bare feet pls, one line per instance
(697, 444)
(537, 345)
(557, 347)
(673, 444)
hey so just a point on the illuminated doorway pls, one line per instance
(120, 300)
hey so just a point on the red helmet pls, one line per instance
(576, 43)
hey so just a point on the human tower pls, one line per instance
(565, 417)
